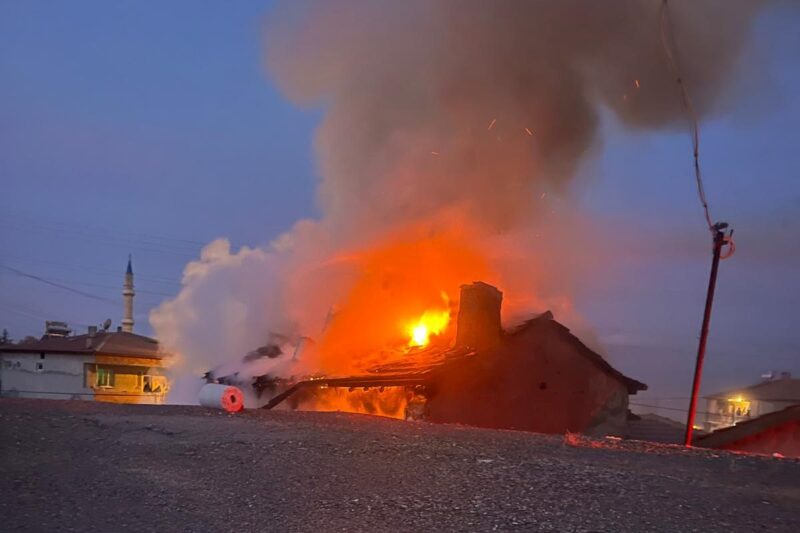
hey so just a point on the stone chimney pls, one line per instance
(478, 323)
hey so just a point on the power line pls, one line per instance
(57, 285)
(666, 41)
(59, 224)
(110, 287)
(88, 269)
(110, 240)
(36, 316)
(682, 410)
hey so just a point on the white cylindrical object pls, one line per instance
(224, 397)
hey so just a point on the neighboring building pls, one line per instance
(117, 367)
(773, 433)
(731, 407)
(655, 428)
(536, 377)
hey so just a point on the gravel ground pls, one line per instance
(75, 466)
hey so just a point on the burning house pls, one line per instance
(446, 157)
(535, 377)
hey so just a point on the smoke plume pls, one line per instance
(451, 133)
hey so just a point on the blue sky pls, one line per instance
(127, 127)
(151, 128)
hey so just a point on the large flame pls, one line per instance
(430, 323)
(398, 299)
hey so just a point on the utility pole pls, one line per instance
(720, 239)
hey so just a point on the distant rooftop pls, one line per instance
(780, 389)
(103, 342)
(654, 428)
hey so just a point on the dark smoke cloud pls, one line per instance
(471, 114)
(403, 79)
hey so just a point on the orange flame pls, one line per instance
(430, 323)
(396, 300)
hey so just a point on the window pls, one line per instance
(41, 355)
(738, 406)
(39, 367)
(104, 378)
(153, 384)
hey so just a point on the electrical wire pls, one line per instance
(37, 316)
(109, 240)
(682, 410)
(60, 225)
(139, 291)
(57, 285)
(85, 269)
(666, 43)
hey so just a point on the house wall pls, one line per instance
(129, 375)
(61, 376)
(538, 381)
(718, 413)
(73, 377)
(783, 439)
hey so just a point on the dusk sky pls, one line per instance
(152, 128)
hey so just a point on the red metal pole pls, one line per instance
(719, 240)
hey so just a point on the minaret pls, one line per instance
(128, 294)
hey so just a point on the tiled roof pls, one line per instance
(546, 320)
(425, 361)
(777, 390)
(111, 343)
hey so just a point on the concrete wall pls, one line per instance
(129, 383)
(538, 381)
(61, 376)
(72, 376)
(129, 373)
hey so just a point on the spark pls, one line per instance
(636, 82)
(491, 124)
(529, 132)
(542, 196)
(434, 153)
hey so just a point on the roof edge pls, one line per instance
(547, 317)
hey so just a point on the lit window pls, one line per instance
(152, 384)
(738, 406)
(104, 378)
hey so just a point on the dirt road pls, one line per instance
(72, 466)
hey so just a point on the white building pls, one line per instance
(775, 392)
(119, 367)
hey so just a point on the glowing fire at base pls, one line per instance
(430, 323)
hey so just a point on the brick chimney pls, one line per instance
(479, 324)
